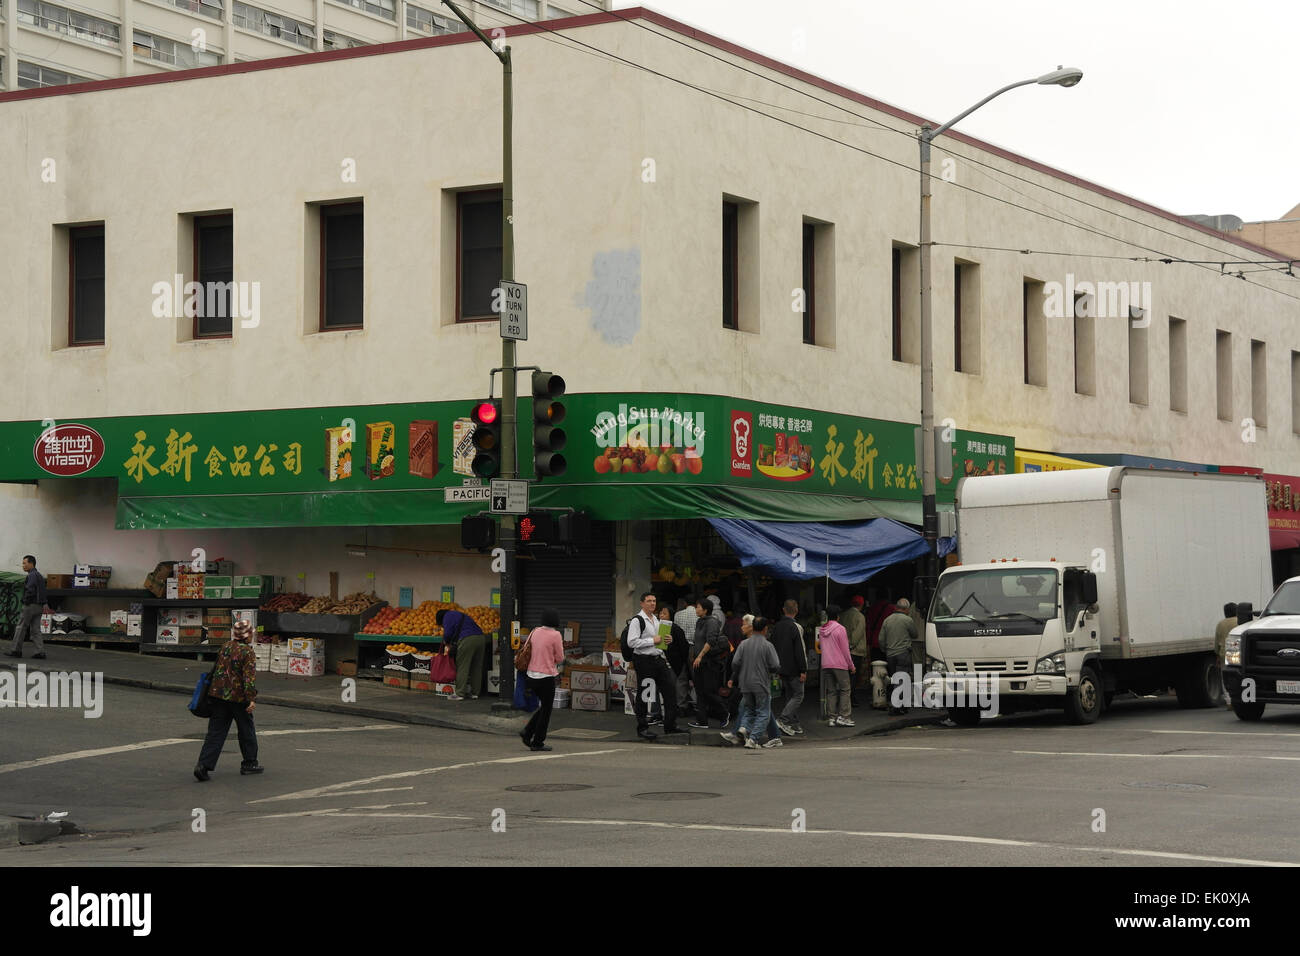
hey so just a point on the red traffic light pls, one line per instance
(485, 413)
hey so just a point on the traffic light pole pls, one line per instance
(509, 425)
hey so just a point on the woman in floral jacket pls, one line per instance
(233, 696)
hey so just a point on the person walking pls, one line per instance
(896, 636)
(708, 667)
(233, 695)
(461, 634)
(543, 670)
(855, 624)
(837, 669)
(754, 664)
(651, 665)
(787, 638)
(29, 619)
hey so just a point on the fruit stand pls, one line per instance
(406, 638)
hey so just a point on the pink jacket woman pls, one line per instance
(540, 678)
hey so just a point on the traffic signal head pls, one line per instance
(487, 438)
(548, 413)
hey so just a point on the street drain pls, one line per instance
(676, 795)
(1147, 785)
(548, 787)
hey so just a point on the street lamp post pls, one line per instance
(1061, 76)
(509, 461)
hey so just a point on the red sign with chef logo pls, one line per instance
(742, 455)
(68, 450)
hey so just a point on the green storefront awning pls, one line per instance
(624, 503)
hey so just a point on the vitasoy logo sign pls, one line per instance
(742, 430)
(68, 450)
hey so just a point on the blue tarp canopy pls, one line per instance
(798, 550)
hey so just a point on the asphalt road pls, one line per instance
(1148, 785)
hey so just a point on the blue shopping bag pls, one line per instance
(525, 699)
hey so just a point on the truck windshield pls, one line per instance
(1001, 593)
(1285, 600)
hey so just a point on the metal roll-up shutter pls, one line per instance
(580, 587)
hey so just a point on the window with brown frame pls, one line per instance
(896, 301)
(86, 285)
(809, 284)
(479, 253)
(342, 249)
(214, 269)
(730, 265)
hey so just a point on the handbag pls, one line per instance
(524, 655)
(200, 702)
(442, 670)
(525, 699)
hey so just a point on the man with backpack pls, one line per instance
(647, 657)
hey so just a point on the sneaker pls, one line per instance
(656, 721)
(798, 730)
(455, 697)
(833, 722)
(785, 727)
(846, 722)
(774, 742)
(246, 769)
(750, 745)
(731, 738)
(697, 725)
(743, 732)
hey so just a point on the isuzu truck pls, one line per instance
(1076, 585)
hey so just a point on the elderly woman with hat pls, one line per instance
(233, 696)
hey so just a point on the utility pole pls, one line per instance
(509, 425)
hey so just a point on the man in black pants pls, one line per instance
(651, 665)
(708, 667)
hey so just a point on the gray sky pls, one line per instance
(1188, 105)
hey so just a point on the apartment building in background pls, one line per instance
(57, 43)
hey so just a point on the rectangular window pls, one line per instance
(1085, 355)
(427, 21)
(479, 244)
(86, 285)
(214, 270)
(966, 317)
(342, 266)
(896, 304)
(809, 284)
(1033, 336)
(1259, 383)
(33, 77)
(905, 304)
(1137, 364)
(1177, 365)
(48, 16)
(1223, 373)
(730, 265)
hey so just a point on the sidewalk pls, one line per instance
(374, 701)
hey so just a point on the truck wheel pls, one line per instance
(964, 716)
(1201, 683)
(1083, 704)
(1248, 711)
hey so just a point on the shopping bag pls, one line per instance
(200, 702)
(442, 670)
(525, 699)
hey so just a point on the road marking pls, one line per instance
(1228, 733)
(170, 741)
(353, 793)
(333, 788)
(1070, 753)
(930, 837)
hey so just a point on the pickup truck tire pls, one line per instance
(964, 716)
(1201, 684)
(1252, 710)
(1083, 704)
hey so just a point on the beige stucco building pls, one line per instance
(650, 161)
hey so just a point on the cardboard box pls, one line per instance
(81, 581)
(422, 458)
(173, 589)
(244, 594)
(250, 581)
(190, 635)
(615, 664)
(216, 594)
(191, 617)
(81, 569)
(444, 690)
(134, 625)
(381, 460)
(338, 453)
(572, 632)
(307, 666)
(217, 635)
(306, 647)
(420, 682)
(169, 618)
(589, 700)
(117, 622)
(397, 679)
(167, 635)
(217, 580)
(59, 581)
(347, 669)
(47, 622)
(589, 677)
(494, 683)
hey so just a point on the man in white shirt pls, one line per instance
(651, 666)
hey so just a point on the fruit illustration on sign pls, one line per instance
(679, 463)
(665, 462)
(651, 462)
(602, 465)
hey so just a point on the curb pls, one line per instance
(19, 832)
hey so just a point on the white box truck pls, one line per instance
(1093, 582)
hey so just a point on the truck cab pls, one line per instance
(1261, 661)
(1031, 627)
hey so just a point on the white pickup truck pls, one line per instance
(1093, 582)
(1261, 660)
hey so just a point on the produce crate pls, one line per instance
(296, 623)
